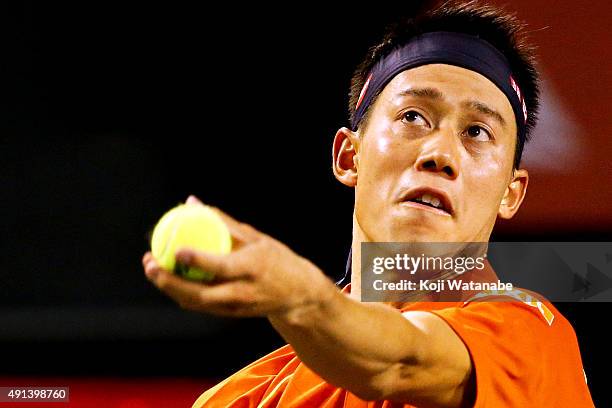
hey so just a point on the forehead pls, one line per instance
(456, 85)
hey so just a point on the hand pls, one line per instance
(260, 277)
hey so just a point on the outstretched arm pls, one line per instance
(369, 349)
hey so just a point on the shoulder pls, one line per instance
(514, 339)
(522, 316)
(518, 301)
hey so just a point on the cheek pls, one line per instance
(381, 164)
(485, 185)
(383, 159)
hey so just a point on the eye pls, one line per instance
(414, 117)
(478, 133)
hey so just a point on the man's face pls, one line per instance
(439, 134)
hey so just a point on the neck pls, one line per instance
(358, 238)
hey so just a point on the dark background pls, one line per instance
(111, 114)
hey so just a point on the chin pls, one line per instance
(410, 226)
(419, 233)
(408, 229)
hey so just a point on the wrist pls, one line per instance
(315, 297)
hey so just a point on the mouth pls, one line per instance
(427, 198)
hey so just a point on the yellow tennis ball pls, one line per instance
(191, 226)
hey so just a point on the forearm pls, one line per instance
(350, 344)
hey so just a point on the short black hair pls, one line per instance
(495, 25)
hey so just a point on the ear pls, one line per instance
(345, 156)
(514, 194)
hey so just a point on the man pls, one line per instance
(440, 111)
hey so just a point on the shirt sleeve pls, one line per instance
(251, 386)
(523, 353)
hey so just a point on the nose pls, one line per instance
(439, 154)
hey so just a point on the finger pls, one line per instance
(220, 299)
(185, 293)
(222, 267)
(146, 257)
(152, 268)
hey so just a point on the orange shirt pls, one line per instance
(524, 352)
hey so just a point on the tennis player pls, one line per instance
(440, 111)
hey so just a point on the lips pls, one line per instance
(428, 198)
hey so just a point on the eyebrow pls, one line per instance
(485, 110)
(435, 94)
(430, 93)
